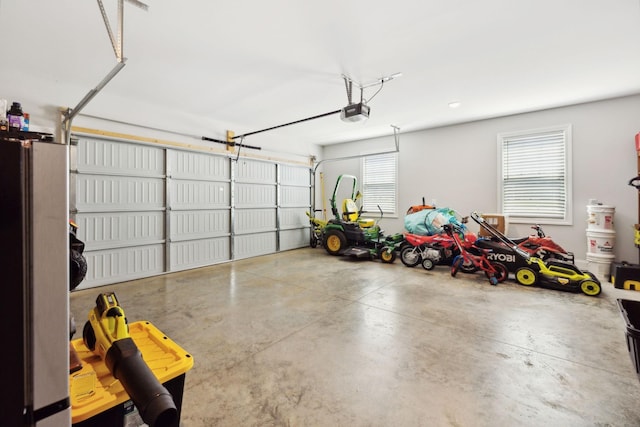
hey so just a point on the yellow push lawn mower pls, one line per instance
(554, 274)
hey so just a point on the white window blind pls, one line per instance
(535, 175)
(379, 174)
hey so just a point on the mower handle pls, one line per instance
(476, 217)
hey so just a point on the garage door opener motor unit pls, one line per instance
(355, 112)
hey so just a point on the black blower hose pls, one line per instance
(154, 402)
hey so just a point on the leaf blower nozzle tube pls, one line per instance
(154, 402)
(152, 399)
(106, 333)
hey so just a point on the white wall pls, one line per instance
(457, 166)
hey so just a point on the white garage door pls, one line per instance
(198, 201)
(255, 203)
(118, 196)
(143, 210)
(294, 199)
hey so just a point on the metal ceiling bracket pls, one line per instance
(116, 42)
(396, 138)
(348, 84)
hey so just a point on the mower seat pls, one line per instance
(350, 213)
(349, 210)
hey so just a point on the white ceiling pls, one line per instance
(205, 66)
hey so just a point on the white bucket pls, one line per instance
(600, 242)
(600, 217)
(600, 265)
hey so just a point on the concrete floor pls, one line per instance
(301, 338)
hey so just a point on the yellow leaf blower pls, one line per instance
(106, 333)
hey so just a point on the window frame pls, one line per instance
(503, 138)
(363, 185)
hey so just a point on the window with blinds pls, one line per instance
(379, 175)
(535, 184)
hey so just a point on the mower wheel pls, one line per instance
(387, 255)
(526, 276)
(335, 242)
(428, 264)
(590, 287)
(410, 256)
(314, 241)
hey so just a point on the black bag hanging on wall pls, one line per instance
(78, 263)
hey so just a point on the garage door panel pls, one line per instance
(117, 193)
(198, 166)
(190, 195)
(254, 195)
(294, 196)
(121, 264)
(111, 157)
(293, 239)
(198, 253)
(293, 218)
(255, 220)
(186, 225)
(293, 175)
(247, 246)
(118, 229)
(255, 171)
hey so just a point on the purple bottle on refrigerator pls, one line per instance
(15, 117)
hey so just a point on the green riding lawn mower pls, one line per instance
(350, 234)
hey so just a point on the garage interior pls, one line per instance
(297, 339)
(196, 138)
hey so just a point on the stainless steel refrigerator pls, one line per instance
(34, 269)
